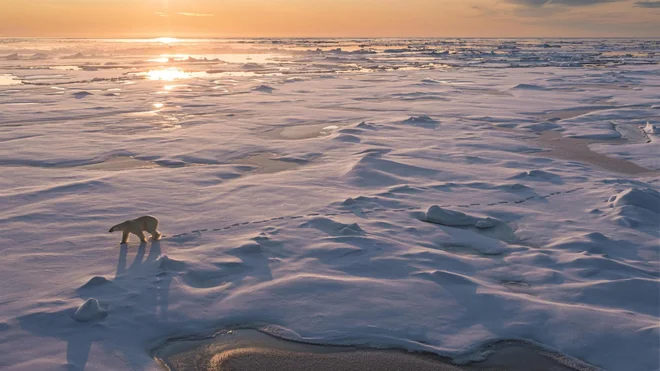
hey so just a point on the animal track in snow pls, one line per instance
(379, 210)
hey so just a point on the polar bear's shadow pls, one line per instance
(141, 284)
(139, 265)
(154, 292)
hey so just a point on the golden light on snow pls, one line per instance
(168, 74)
(172, 87)
(164, 58)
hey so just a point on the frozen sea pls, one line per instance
(429, 194)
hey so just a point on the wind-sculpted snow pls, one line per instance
(89, 311)
(417, 194)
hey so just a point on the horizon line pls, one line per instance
(333, 37)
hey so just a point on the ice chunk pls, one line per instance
(95, 282)
(89, 311)
(333, 227)
(485, 223)
(39, 56)
(645, 198)
(421, 121)
(438, 215)
(529, 87)
(81, 94)
(651, 129)
(264, 89)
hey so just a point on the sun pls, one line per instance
(166, 40)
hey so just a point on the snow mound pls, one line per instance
(513, 187)
(90, 310)
(447, 278)
(295, 79)
(264, 89)
(168, 264)
(216, 275)
(421, 121)
(366, 125)
(637, 209)
(436, 214)
(74, 56)
(489, 227)
(347, 138)
(251, 66)
(529, 87)
(485, 224)
(251, 248)
(372, 169)
(351, 131)
(541, 126)
(367, 172)
(648, 199)
(334, 228)
(96, 282)
(593, 243)
(623, 294)
(81, 94)
(39, 56)
(539, 175)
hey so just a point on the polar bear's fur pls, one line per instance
(138, 227)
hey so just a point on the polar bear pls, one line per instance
(137, 227)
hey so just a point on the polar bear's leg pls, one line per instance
(124, 237)
(155, 235)
(153, 231)
(143, 238)
(152, 227)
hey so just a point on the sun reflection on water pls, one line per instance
(6, 79)
(159, 60)
(165, 58)
(173, 74)
(168, 74)
(172, 87)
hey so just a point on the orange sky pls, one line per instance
(329, 18)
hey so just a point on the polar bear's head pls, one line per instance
(117, 227)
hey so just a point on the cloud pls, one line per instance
(548, 8)
(648, 4)
(161, 14)
(197, 14)
(541, 3)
